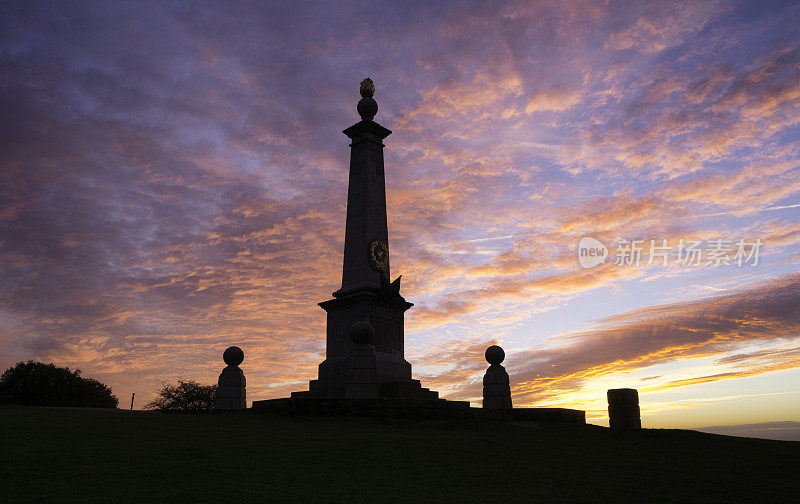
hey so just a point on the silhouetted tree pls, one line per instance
(38, 384)
(186, 396)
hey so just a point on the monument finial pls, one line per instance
(233, 356)
(367, 88)
(367, 106)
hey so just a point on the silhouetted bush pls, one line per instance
(187, 396)
(38, 384)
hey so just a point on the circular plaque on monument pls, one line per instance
(379, 255)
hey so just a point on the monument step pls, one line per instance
(407, 389)
(413, 408)
(411, 389)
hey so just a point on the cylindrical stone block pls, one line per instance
(623, 409)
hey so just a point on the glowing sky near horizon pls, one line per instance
(173, 179)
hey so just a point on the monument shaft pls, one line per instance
(366, 207)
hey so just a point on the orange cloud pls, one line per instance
(556, 99)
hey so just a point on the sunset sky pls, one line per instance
(173, 180)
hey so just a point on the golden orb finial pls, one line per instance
(367, 88)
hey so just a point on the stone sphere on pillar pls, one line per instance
(362, 333)
(233, 356)
(367, 108)
(495, 355)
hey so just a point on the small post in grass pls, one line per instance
(132, 396)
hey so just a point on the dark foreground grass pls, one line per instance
(85, 456)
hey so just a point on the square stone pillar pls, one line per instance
(496, 388)
(231, 386)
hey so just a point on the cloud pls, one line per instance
(556, 99)
(662, 26)
(766, 312)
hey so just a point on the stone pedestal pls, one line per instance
(362, 366)
(496, 389)
(231, 386)
(362, 373)
(386, 317)
(623, 409)
(496, 386)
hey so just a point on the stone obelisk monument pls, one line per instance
(365, 372)
(366, 294)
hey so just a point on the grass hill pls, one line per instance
(88, 456)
